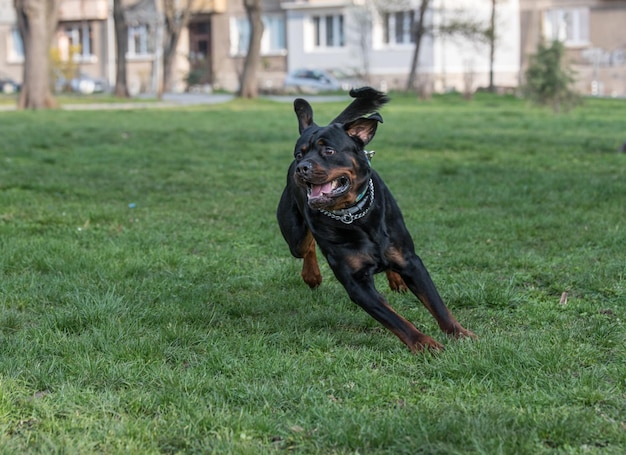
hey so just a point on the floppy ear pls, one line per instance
(366, 101)
(304, 112)
(363, 128)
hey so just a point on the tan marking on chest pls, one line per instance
(395, 256)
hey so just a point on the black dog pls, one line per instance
(335, 199)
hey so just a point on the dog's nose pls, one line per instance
(304, 168)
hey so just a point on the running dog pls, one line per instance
(333, 198)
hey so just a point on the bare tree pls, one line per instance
(491, 36)
(121, 40)
(248, 86)
(37, 22)
(418, 32)
(362, 28)
(456, 25)
(177, 14)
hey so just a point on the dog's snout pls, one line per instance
(304, 168)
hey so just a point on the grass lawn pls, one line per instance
(148, 303)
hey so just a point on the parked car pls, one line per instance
(82, 83)
(315, 81)
(311, 81)
(87, 85)
(8, 85)
(347, 79)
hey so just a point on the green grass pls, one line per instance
(148, 303)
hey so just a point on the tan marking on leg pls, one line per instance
(396, 283)
(310, 269)
(413, 338)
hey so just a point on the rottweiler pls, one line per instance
(335, 199)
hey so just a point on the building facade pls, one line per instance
(370, 38)
(375, 39)
(11, 50)
(593, 34)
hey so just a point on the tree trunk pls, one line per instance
(37, 21)
(248, 86)
(176, 18)
(121, 41)
(169, 53)
(419, 32)
(492, 44)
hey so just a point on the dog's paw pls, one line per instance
(312, 279)
(427, 343)
(462, 332)
(396, 283)
(310, 270)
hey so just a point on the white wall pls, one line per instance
(301, 50)
(456, 56)
(447, 59)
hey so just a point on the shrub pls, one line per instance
(548, 78)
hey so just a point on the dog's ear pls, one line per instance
(366, 101)
(304, 112)
(363, 128)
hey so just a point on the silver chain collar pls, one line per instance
(347, 216)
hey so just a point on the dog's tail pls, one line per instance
(366, 101)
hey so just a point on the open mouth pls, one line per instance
(328, 190)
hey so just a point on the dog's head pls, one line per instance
(330, 161)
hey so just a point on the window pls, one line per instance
(138, 40)
(80, 39)
(240, 36)
(274, 35)
(15, 49)
(272, 42)
(329, 31)
(398, 27)
(199, 39)
(571, 26)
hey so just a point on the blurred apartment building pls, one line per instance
(371, 38)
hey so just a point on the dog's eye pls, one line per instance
(327, 151)
(298, 156)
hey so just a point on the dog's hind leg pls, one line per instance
(396, 283)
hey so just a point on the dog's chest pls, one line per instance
(340, 241)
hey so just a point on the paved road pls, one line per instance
(180, 99)
(168, 100)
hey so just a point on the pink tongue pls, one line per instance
(317, 190)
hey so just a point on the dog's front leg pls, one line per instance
(420, 283)
(310, 269)
(298, 237)
(360, 288)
